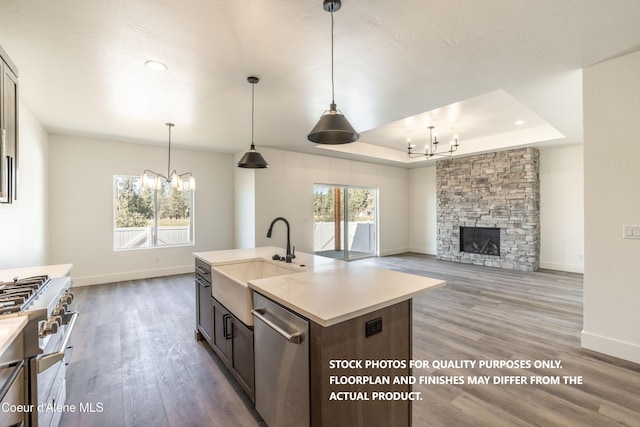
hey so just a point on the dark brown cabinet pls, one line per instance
(221, 331)
(241, 356)
(233, 343)
(229, 338)
(358, 339)
(204, 302)
(8, 129)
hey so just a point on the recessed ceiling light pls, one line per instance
(518, 122)
(155, 65)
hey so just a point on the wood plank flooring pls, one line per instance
(135, 354)
(493, 314)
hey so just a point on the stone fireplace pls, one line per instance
(488, 209)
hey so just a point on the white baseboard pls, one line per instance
(612, 347)
(558, 266)
(395, 251)
(130, 275)
(421, 250)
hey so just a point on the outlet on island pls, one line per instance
(373, 327)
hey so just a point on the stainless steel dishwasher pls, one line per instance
(281, 348)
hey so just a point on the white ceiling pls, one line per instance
(470, 67)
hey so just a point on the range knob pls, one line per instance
(50, 326)
(67, 297)
(61, 309)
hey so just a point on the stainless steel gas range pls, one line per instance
(47, 303)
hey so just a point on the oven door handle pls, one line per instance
(47, 361)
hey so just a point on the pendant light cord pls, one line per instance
(333, 101)
(169, 125)
(253, 86)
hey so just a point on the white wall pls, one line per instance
(422, 210)
(562, 208)
(612, 199)
(23, 224)
(286, 189)
(245, 206)
(81, 207)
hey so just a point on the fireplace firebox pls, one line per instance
(480, 240)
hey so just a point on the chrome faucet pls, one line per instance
(289, 256)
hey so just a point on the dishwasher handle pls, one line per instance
(294, 338)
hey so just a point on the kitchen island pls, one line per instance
(355, 314)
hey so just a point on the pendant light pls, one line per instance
(252, 159)
(333, 127)
(180, 181)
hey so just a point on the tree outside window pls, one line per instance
(361, 205)
(145, 218)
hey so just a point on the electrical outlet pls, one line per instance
(631, 231)
(373, 327)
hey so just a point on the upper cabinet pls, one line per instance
(8, 129)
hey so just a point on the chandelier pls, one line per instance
(432, 148)
(180, 181)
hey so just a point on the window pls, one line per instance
(147, 218)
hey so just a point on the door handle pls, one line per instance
(225, 327)
(4, 166)
(203, 283)
(203, 271)
(294, 338)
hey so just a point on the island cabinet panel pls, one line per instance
(348, 341)
(221, 323)
(242, 356)
(233, 343)
(205, 318)
(204, 302)
(229, 338)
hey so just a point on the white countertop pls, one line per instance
(58, 270)
(302, 260)
(329, 291)
(10, 327)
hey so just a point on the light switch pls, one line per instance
(631, 231)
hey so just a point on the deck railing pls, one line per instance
(142, 237)
(361, 236)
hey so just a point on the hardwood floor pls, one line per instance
(135, 354)
(493, 314)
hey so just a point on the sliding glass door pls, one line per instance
(335, 237)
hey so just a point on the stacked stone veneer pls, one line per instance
(500, 189)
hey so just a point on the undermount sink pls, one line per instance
(229, 283)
